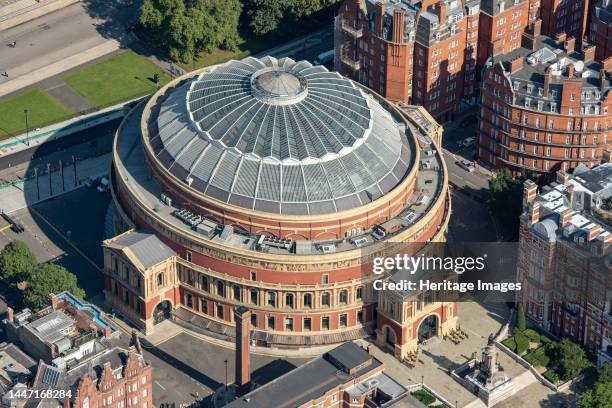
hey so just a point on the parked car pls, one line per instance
(468, 141)
(470, 120)
(103, 186)
(93, 181)
(466, 165)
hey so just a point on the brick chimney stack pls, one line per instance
(530, 191)
(441, 11)
(534, 213)
(593, 232)
(607, 156)
(107, 332)
(570, 70)
(561, 37)
(398, 26)
(565, 218)
(570, 45)
(562, 177)
(10, 314)
(588, 53)
(242, 316)
(53, 299)
(547, 78)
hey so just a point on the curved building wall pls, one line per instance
(212, 277)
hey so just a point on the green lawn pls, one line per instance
(42, 109)
(117, 79)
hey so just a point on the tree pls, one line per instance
(185, 27)
(520, 318)
(49, 278)
(597, 397)
(604, 374)
(16, 261)
(572, 359)
(265, 15)
(506, 198)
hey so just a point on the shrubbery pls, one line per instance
(552, 376)
(424, 397)
(522, 343)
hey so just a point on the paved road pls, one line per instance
(64, 33)
(90, 142)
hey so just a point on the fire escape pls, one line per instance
(348, 35)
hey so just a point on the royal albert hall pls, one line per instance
(271, 184)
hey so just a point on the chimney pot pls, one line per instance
(10, 314)
(570, 70)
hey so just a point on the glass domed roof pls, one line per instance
(280, 136)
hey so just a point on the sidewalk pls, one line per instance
(21, 11)
(24, 194)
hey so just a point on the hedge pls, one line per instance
(424, 397)
(510, 343)
(532, 335)
(538, 358)
(522, 343)
(552, 376)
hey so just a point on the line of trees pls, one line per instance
(18, 264)
(184, 28)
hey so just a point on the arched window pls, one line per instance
(325, 301)
(271, 299)
(289, 300)
(205, 283)
(220, 288)
(236, 290)
(344, 296)
(254, 297)
(307, 299)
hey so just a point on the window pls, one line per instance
(325, 279)
(359, 293)
(205, 284)
(307, 299)
(288, 323)
(220, 311)
(253, 293)
(237, 292)
(204, 306)
(253, 275)
(344, 296)
(325, 299)
(289, 300)
(189, 300)
(271, 322)
(253, 320)
(325, 323)
(360, 316)
(307, 324)
(343, 320)
(220, 288)
(271, 299)
(188, 256)
(160, 279)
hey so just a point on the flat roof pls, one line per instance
(305, 383)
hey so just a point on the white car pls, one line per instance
(466, 165)
(103, 186)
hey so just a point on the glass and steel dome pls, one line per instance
(280, 136)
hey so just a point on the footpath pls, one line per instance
(15, 12)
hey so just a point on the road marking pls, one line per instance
(160, 386)
(6, 227)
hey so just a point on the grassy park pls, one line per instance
(122, 77)
(42, 110)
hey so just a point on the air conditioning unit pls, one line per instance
(166, 200)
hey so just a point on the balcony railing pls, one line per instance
(352, 31)
(355, 65)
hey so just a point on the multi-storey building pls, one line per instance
(276, 197)
(412, 52)
(545, 107)
(565, 256)
(501, 27)
(79, 357)
(569, 17)
(600, 30)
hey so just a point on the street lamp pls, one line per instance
(225, 375)
(25, 112)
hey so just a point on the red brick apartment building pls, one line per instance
(565, 257)
(77, 351)
(414, 52)
(545, 107)
(600, 30)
